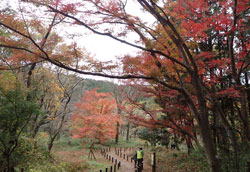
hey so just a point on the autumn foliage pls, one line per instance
(193, 59)
(95, 117)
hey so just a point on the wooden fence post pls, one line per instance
(153, 162)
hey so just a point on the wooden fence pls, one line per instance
(116, 163)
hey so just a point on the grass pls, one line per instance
(178, 161)
(72, 155)
(71, 150)
(125, 144)
(67, 143)
(94, 165)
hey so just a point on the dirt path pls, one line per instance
(126, 165)
(80, 157)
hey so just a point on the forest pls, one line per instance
(183, 95)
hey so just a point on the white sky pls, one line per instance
(103, 48)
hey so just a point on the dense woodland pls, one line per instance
(187, 86)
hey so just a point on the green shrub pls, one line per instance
(173, 160)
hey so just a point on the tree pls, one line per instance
(154, 136)
(68, 83)
(48, 93)
(95, 118)
(15, 114)
(193, 46)
(157, 109)
(121, 94)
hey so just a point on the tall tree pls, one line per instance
(15, 114)
(95, 118)
(191, 47)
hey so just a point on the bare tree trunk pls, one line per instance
(53, 137)
(35, 131)
(205, 130)
(245, 115)
(51, 142)
(208, 143)
(91, 152)
(189, 144)
(232, 135)
(127, 134)
(10, 167)
(117, 132)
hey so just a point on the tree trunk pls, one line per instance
(91, 152)
(117, 133)
(127, 134)
(189, 144)
(35, 131)
(208, 143)
(51, 143)
(232, 136)
(245, 115)
(176, 142)
(10, 167)
(202, 119)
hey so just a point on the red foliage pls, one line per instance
(69, 8)
(95, 117)
(229, 92)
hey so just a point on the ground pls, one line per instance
(167, 160)
(80, 156)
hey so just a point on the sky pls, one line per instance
(101, 47)
(105, 48)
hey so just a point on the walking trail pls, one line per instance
(126, 165)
